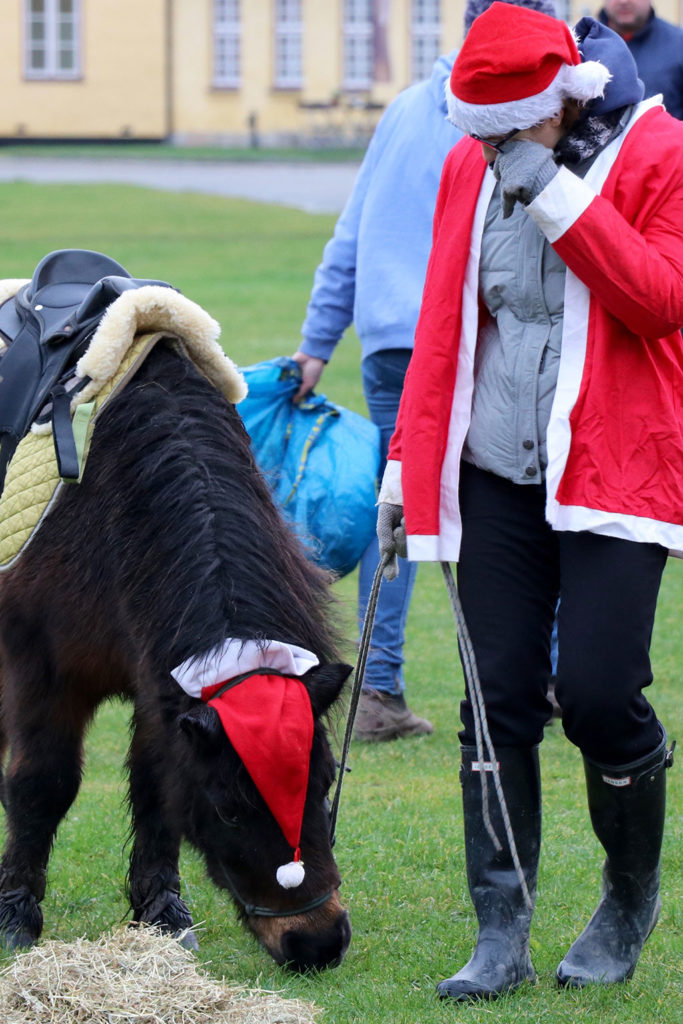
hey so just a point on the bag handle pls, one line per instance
(327, 412)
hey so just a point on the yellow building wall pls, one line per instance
(203, 112)
(121, 91)
(147, 73)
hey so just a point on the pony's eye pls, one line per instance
(232, 821)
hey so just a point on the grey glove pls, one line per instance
(523, 168)
(391, 534)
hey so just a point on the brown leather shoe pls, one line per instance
(557, 710)
(383, 716)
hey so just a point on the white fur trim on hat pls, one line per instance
(234, 656)
(582, 82)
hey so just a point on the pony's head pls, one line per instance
(246, 813)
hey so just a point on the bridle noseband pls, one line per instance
(253, 910)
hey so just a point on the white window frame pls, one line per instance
(288, 44)
(425, 35)
(357, 36)
(52, 46)
(227, 32)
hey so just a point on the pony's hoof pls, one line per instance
(21, 919)
(187, 939)
(21, 938)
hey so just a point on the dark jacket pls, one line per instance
(658, 52)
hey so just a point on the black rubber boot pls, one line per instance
(626, 806)
(501, 961)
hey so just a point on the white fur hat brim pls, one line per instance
(583, 82)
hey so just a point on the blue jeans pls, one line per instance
(383, 374)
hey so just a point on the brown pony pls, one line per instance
(169, 545)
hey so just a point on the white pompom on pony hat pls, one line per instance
(515, 69)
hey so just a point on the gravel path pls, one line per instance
(313, 187)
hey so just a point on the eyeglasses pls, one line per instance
(496, 145)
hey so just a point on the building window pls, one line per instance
(426, 37)
(288, 38)
(52, 33)
(226, 43)
(358, 44)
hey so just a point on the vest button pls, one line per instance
(527, 444)
(531, 471)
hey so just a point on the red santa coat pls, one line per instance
(615, 435)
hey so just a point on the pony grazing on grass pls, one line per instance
(167, 576)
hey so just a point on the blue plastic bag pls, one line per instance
(320, 459)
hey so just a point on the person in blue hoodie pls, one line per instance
(371, 275)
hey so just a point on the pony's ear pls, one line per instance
(324, 684)
(202, 726)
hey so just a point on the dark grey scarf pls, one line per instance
(589, 136)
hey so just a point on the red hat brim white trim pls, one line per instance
(583, 82)
(234, 657)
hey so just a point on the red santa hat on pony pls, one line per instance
(515, 69)
(266, 713)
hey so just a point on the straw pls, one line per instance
(132, 976)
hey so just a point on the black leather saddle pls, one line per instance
(47, 326)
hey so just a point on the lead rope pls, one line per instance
(481, 728)
(363, 648)
(482, 735)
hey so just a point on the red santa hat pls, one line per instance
(268, 718)
(515, 69)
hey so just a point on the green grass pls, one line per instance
(400, 846)
(162, 151)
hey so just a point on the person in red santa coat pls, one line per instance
(539, 444)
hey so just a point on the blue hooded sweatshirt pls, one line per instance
(373, 267)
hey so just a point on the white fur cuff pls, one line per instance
(391, 489)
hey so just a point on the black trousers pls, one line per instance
(513, 568)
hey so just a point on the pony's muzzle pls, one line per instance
(310, 942)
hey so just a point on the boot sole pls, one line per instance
(484, 995)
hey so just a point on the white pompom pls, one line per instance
(290, 875)
(588, 80)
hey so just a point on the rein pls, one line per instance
(363, 648)
(476, 696)
(482, 736)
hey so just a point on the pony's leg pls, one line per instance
(154, 878)
(41, 783)
(3, 752)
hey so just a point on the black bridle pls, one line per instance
(252, 909)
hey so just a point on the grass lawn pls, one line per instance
(400, 846)
(163, 151)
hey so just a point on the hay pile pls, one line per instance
(131, 976)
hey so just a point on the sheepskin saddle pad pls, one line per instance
(116, 322)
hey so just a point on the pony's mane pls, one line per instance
(204, 550)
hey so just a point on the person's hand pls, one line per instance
(391, 534)
(311, 372)
(523, 168)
